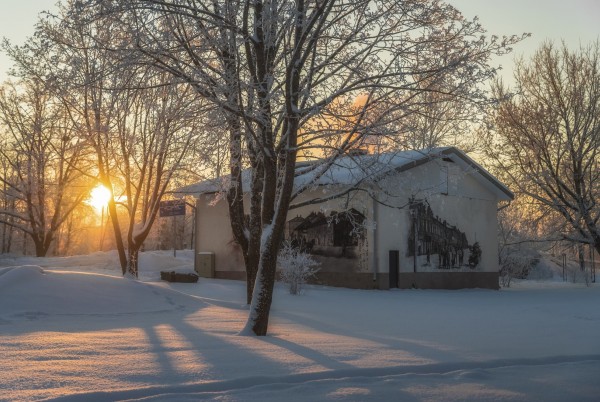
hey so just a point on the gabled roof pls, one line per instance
(351, 170)
(485, 177)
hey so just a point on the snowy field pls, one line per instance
(73, 329)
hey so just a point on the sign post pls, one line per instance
(172, 208)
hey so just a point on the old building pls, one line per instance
(423, 219)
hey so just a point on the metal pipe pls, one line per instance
(375, 244)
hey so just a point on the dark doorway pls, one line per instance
(394, 259)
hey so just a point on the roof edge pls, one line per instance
(480, 169)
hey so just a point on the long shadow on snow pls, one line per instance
(183, 353)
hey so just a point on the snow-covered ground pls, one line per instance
(73, 329)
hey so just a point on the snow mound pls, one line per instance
(104, 261)
(545, 269)
(152, 262)
(12, 276)
(550, 269)
(30, 291)
(96, 336)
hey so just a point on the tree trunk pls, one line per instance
(262, 296)
(112, 209)
(40, 250)
(251, 271)
(581, 256)
(247, 237)
(255, 226)
(7, 233)
(275, 208)
(133, 253)
(594, 231)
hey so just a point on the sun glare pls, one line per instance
(99, 197)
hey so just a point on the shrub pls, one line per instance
(515, 263)
(296, 267)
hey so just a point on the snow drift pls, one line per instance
(93, 335)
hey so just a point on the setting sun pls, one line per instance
(99, 197)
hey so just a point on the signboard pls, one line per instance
(172, 208)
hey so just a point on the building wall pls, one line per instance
(213, 234)
(456, 201)
(453, 197)
(339, 264)
(345, 257)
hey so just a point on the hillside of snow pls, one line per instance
(73, 329)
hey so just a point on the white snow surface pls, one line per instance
(74, 329)
(358, 170)
(346, 170)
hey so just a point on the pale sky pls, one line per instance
(17, 20)
(575, 21)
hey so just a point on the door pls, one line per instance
(394, 261)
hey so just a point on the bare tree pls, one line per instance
(61, 57)
(546, 139)
(517, 254)
(8, 197)
(152, 149)
(136, 121)
(317, 77)
(43, 157)
(141, 137)
(436, 119)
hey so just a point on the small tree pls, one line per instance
(515, 264)
(296, 267)
(516, 227)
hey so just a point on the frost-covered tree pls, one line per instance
(437, 119)
(138, 123)
(8, 199)
(517, 255)
(296, 267)
(154, 139)
(41, 181)
(60, 55)
(311, 78)
(546, 141)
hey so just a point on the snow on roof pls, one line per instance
(352, 170)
